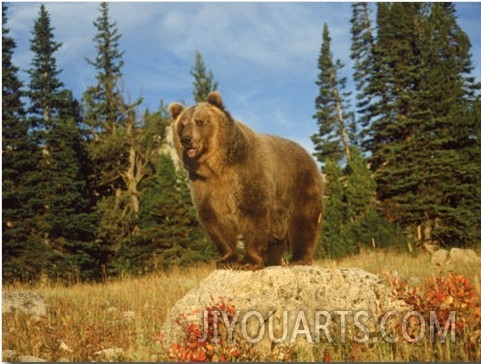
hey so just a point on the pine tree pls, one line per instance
(171, 234)
(419, 129)
(333, 241)
(366, 225)
(123, 145)
(362, 53)
(332, 141)
(102, 111)
(17, 153)
(45, 87)
(448, 132)
(350, 191)
(103, 103)
(105, 113)
(62, 223)
(203, 80)
(393, 86)
(352, 217)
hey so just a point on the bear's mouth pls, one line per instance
(192, 152)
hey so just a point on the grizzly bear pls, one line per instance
(264, 188)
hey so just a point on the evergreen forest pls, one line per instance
(91, 189)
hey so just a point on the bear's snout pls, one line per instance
(186, 141)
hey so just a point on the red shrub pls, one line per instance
(206, 344)
(443, 295)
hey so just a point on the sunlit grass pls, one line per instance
(126, 313)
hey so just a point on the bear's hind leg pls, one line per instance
(303, 234)
(252, 260)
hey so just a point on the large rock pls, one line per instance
(287, 298)
(455, 256)
(464, 256)
(28, 302)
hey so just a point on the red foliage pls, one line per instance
(199, 345)
(326, 358)
(443, 295)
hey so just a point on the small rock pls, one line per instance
(112, 309)
(65, 347)
(129, 315)
(28, 302)
(111, 354)
(35, 318)
(9, 355)
(439, 257)
(30, 359)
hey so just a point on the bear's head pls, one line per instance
(197, 129)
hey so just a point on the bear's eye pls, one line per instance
(199, 122)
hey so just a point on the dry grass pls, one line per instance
(414, 266)
(90, 317)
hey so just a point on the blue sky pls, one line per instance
(264, 55)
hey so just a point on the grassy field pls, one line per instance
(128, 313)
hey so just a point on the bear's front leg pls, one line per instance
(256, 241)
(226, 245)
(223, 234)
(274, 252)
(228, 261)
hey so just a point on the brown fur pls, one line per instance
(266, 188)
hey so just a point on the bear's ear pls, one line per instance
(215, 99)
(175, 109)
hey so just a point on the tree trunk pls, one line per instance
(342, 128)
(131, 180)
